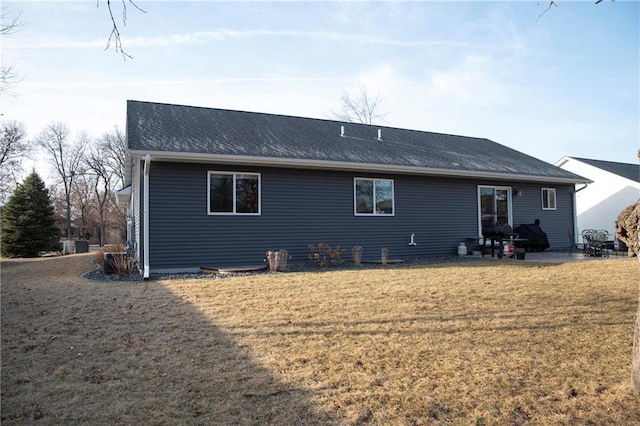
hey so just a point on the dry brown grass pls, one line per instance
(479, 343)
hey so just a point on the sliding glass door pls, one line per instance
(494, 205)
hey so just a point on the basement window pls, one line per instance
(373, 197)
(234, 193)
(548, 198)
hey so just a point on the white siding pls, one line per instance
(598, 205)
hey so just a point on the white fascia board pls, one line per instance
(341, 165)
(561, 162)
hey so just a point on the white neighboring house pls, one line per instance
(615, 186)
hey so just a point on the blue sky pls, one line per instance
(565, 84)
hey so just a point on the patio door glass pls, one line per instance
(494, 205)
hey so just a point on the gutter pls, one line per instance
(348, 166)
(584, 187)
(145, 218)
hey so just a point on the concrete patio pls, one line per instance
(563, 257)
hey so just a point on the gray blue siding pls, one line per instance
(301, 207)
(556, 223)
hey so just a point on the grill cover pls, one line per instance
(536, 238)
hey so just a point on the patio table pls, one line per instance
(594, 242)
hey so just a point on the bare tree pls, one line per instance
(58, 200)
(83, 203)
(117, 218)
(14, 147)
(9, 77)
(102, 181)
(361, 108)
(113, 151)
(66, 159)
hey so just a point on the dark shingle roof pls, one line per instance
(626, 170)
(165, 128)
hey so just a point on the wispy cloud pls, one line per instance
(226, 34)
(177, 82)
(203, 37)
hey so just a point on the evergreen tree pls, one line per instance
(28, 224)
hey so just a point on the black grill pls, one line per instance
(496, 231)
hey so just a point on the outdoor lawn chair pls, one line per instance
(618, 247)
(595, 242)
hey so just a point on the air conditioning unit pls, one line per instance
(112, 260)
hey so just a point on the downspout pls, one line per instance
(575, 213)
(584, 187)
(145, 218)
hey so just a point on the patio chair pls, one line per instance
(595, 242)
(618, 247)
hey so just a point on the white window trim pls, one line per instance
(509, 204)
(393, 197)
(546, 199)
(234, 174)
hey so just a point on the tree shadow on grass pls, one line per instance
(75, 351)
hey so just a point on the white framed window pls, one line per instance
(233, 193)
(494, 206)
(548, 198)
(373, 197)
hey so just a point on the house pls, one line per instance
(615, 186)
(219, 187)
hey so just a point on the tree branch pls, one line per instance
(115, 36)
(553, 3)
(8, 76)
(8, 79)
(12, 26)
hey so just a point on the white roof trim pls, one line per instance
(341, 165)
(561, 162)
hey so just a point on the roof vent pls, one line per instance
(342, 131)
(379, 134)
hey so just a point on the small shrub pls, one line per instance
(384, 255)
(357, 255)
(323, 255)
(122, 265)
(277, 260)
(284, 256)
(273, 260)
